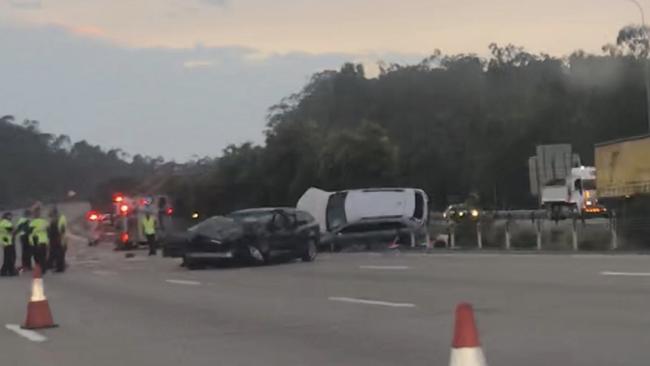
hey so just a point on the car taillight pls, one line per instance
(170, 211)
(124, 238)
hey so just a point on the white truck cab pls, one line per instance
(575, 193)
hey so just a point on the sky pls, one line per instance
(185, 78)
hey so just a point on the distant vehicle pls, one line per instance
(368, 216)
(128, 212)
(252, 235)
(99, 226)
(461, 212)
(571, 195)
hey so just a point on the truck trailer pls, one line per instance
(623, 185)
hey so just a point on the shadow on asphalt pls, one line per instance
(233, 264)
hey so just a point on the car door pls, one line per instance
(282, 228)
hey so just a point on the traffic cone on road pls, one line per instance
(38, 309)
(466, 349)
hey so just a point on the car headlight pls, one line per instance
(444, 215)
(474, 213)
(461, 214)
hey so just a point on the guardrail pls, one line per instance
(532, 230)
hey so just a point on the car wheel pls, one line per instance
(310, 251)
(190, 264)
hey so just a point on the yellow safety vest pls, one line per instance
(19, 225)
(62, 224)
(38, 228)
(6, 228)
(149, 225)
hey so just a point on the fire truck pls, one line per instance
(128, 213)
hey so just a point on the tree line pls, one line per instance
(455, 125)
(38, 166)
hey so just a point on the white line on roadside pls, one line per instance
(184, 282)
(81, 263)
(29, 334)
(104, 273)
(372, 302)
(135, 259)
(391, 268)
(625, 274)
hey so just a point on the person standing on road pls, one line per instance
(22, 233)
(40, 241)
(149, 231)
(9, 249)
(56, 233)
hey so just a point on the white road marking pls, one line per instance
(372, 302)
(82, 263)
(184, 282)
(104, 273)
(29, 334)
(626, 274)
(393, 268)
(136, 259)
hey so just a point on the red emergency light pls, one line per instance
(92, 216)
(118, 198)
(124, 238)
(124, 209)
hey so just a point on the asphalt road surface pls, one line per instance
(344, 309)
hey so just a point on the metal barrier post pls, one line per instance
(412, 240)
(452, 236)
(508, 243)
(479, 235)
(613, 228)
(574, 234)
(538, 227)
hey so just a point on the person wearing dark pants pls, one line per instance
(9, 249)
(38, 228)
(22, 233)
(56, 232)
(149, 230)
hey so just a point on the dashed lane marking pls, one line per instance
(372, 302)
(389, 268)
(625, 274)
(26, 333)
(184, 282)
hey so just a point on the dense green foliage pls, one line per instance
(452, 125)
(41, 166)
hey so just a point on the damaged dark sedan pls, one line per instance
(252, 236)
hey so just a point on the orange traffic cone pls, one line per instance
(38, 309)
(466, 349)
